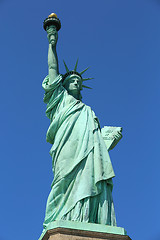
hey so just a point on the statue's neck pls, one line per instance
(75, 95)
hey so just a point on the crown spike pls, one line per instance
(84, 71)
(65, 66)
(86, 79)
(75, 68)
(86, 87)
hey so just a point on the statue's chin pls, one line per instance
(74, 90)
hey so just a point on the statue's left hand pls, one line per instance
(52, 35)
(117, 137)
(111, 136)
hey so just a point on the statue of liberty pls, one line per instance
(82, 186)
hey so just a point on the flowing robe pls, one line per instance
(82, 185)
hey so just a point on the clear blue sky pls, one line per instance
(120, 41)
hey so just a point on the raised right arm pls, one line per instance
(53, 67)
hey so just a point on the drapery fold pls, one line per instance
(80, 160)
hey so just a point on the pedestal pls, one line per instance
(68, 230)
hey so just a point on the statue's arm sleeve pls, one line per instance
(52, 90)
(54, 93)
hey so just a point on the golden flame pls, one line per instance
(52, 15)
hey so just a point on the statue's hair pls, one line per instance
(70, 73)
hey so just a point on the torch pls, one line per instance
(52, 20)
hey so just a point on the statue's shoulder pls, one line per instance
(50, 84)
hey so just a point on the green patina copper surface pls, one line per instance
(82, 186)
(85, 227)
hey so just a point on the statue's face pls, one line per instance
(74, 84)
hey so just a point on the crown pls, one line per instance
(74, 72)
